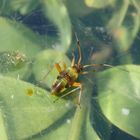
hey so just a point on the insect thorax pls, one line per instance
(72, 72)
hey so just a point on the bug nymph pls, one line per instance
(68, 76)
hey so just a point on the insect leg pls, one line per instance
(75, 84)
(73, 60)
(79, 49)
(98, 65)
(78, 86)
(58, 67)
(64, 66)
(70, 92)
(103, 65)
(84, 72)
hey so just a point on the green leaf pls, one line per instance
(119, 15)
(99, 3)
(14, 37)
(3, 134)
(61, 20)
(89, 131)
(119, 25)
(64, 131)
(23, 6)
(119, 97)
(8, 7)
(84, 8)
(81, 128)
(28, 111)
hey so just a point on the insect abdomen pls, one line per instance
(64, 80)
(59, 86)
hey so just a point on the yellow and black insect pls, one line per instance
(68, 76)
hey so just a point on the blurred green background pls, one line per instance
(34, 35)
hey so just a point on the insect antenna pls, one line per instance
(79, 49)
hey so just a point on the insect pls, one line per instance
(68, 76)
